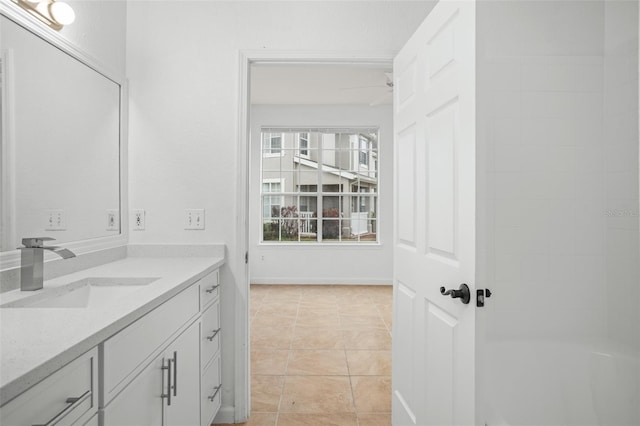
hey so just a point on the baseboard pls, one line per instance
(322, 281)
(226, 415)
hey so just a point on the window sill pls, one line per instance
(367, 245)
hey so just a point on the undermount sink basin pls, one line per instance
(86, 293)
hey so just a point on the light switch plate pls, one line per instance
(194, 219)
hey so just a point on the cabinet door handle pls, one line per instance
(167, 367)
(217, 388)
(73, 404)
(212, 289)
(213, 336)
(175, 373)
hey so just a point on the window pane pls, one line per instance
(271, 205)
(303, 144)
(276, 144)
(270, 230)
(331, 230)
(307, 181)
(289, 180)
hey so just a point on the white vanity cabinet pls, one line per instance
(149, 358)
(157, 370)
(210, 333)
(67, 397)
(166, 392)
(210, 395)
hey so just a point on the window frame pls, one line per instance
(349, 173)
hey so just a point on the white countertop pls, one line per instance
(35, 342)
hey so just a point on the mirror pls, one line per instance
(60, 143)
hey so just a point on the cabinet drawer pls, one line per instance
(68, 395)
(209, 288)
(211, 394)
(126, 353)
(210, 334)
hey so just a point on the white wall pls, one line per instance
(183, 67)
(100, 29)
(314, 264)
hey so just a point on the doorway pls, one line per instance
(254, 226)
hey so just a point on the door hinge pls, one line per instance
(246, 257)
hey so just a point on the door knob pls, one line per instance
(462, 293)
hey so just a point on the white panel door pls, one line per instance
(434, 121)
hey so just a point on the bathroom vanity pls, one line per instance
(149, 354)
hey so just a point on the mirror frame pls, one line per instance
(11, 259)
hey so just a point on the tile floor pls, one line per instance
(320, 355)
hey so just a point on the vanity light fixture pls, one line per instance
(54, 13)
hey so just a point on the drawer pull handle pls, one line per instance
(217, 388)
(213, 336)
(212, 289)
(73, 404)
(168, 368)
(175, 373)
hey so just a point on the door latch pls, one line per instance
(480, 295)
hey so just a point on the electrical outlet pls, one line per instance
(194, 219)
(138, 219)
(55, 220)
(113, 220)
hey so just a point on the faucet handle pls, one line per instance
(35, 242)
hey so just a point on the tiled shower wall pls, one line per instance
(558, 171)
(546, 196)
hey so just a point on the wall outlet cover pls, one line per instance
(138, 219)
(55, 220)
(113, 220)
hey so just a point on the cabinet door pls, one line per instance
(140, 403)
(185, 379)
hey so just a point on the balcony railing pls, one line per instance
(305, 223)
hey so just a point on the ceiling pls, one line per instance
(319, 85)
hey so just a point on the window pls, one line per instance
(303, 144)
(272, 143)
(322, 188)
(271, 203)
(364, 151)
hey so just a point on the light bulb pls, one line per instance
(62, 13)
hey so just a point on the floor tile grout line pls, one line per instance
(286, 368)
(344, 349)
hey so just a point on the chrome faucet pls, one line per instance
(32, 261)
